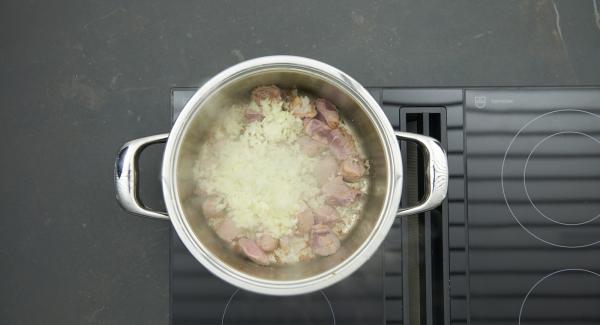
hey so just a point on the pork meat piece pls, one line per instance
(227, 230)
(305, 220)
(326, 169)
(352, 169)
(285, 242)
(253, 252)
(267, 242)
(326, 214)
(251, 115)
(317, 130)
(213, 207)
(342, 144)
(270, 93)
(302, 107)
(338, 193)
(319, 229)
(323, 241)
(327, 112)
(287, 94)
(310, 147)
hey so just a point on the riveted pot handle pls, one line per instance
(436, 173)
(126, 176)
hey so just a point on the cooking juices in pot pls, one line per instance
(282, 178)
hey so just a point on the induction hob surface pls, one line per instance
(533, 166)
(516, 241)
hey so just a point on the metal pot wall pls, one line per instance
(356, 107)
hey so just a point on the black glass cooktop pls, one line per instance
(533, 200)
(516, 242)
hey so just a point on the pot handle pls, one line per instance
(126, 176)
(436, 171)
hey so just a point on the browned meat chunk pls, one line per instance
(338, 193)
(213, 207)
(342, 145)
(253, 252)
(302, 107)
(305, 220)
(310, 147)
(327, 112)
(323, 241)
(326, 169)
(269, 93)
(317, 130)
(352, 169)
(288, 94)
(326, 214)
(267, 243)
(228, 230)
(251, 115)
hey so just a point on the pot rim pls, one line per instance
(387, 215)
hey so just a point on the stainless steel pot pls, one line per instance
(358, 109)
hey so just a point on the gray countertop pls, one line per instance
(80, 78)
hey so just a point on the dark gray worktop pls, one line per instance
(80, 78)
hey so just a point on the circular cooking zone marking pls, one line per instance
(548, 143)
(568, 296)
(550, 178)
(244, 307)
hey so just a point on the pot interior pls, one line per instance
(205, 115)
